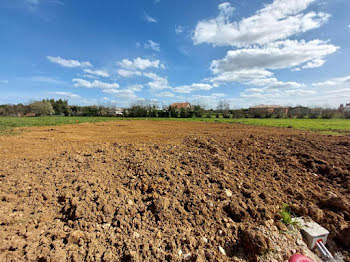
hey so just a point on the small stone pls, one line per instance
(130, 202)
(205, 240)
(159, 234)
(179, 252)
(187, 256)
(136, 235)
(228, 192)
(299, 242)
(222, 250)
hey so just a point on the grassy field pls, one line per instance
(328, 126)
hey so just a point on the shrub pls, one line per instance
(286, 216)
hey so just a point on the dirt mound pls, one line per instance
(168, 191)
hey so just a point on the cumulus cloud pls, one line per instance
(135, 88)
(158, 83)
(333, 82)
(276, 21)
(68, 63)
(95, 84)
(278, 55)
(101, 73)
(139, 64)
(150, 19)
(251, 65)
(152, 45)
(128, 73)
(165, 94)
(240, 76)
(66, 94)
(272, 82)
(122, 94)
(210, 100)
(276, 96)
(194, 87)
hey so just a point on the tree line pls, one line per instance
(61, 107)
(48, 107)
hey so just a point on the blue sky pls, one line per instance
(245, 52)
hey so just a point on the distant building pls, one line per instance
(179, 106)
(119, 112)
(270, 109)
(345, 108)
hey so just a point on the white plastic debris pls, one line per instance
(313, 233)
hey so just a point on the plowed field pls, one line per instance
(168, 191)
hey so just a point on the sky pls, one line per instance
(243, 52)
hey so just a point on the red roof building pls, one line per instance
(181, 105)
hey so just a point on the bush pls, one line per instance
(328, 113)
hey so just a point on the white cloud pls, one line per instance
(128, 73)
(165, 94)
(193, 87)
(97, 72)
(66, 94)
(339, 81)
(250, 65)
(95, 84)
(140, 64)
(278, 55)
(135, 88)
(276, 21)
(88, 76)
(210, 101)
(274, 83)
(150, 19)
(179, 29)
(275, 96)
(152, 45)
(3, 82)
(158, 83)
(122, 94)
(68, 63)
(240, 76)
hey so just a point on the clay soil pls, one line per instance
(168, 191)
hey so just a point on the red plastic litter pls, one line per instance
(300, 258)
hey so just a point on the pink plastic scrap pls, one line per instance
(300, 258)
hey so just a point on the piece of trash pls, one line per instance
(313, 233)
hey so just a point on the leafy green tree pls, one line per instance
(60, 107)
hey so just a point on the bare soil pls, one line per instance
(168, 191)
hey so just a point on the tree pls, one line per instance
(60, 107)
(198, 111)
(223, 108)
(42, 108)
